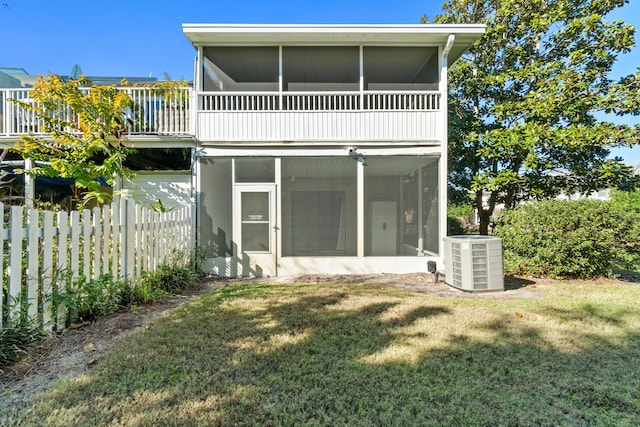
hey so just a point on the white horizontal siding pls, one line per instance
(172, 189)
(318, 126)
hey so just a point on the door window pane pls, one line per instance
(255, 221)
(255, 206)
(255, 237)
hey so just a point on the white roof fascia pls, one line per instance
(334, 34)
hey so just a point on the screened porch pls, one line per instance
(350, 210)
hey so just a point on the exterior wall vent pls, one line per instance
(474, 263)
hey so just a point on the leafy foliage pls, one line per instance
(170, 279)
(460, 210)
(524, 101)
(86, 127)
(455, 226)
(89, 300)
(630, 200)
(15, 339)
(577, 239)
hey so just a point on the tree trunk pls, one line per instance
(485, 217)
(485, 214)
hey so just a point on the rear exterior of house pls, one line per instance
(322, 148)
(314, 148)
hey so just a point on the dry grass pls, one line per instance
(365, 355)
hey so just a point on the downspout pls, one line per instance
(447, 48)
(197, 87)
(444, 157)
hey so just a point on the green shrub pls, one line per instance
(455, 226)
(15, 339)
(573, 239)
(170, 278)
(630, 200)
(461, 210)
(137, 294)
(90, 299)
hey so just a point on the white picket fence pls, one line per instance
(40, 250)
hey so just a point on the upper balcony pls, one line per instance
(154, 112)
(324, 83)
(319, 93)
(257, 116)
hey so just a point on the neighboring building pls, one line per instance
(316, 148)
(7, 79)
(11, 77)
(601, 193)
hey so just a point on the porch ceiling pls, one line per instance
(333, 35)
(340, 167)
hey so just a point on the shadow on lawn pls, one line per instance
(628, 275)
(512, 283)
(248, 356)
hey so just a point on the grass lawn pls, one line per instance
(365, 355)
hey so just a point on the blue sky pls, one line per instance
(142, 38)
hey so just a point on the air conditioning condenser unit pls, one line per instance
(474, 263)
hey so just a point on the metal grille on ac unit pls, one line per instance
(474, 263)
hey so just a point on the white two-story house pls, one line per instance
(314, 148)
(322, 148)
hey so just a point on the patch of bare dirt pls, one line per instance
(75, 351)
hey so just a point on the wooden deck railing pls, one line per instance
(320, 101)
(259, 115)
(155, 111)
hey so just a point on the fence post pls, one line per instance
(47, 269)
(15, 261)
(127, 234)
(2, 239)
(62, 265)
(29, 184)
(33, 252)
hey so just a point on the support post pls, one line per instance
(127, 230)
(29, 184)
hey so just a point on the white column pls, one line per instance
(195, 203)
(278, 225)
(444, 141)
(280, 79)
(360, 206)
(361, 54)
(421, 213)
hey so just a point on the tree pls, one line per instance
(525, 100)
(86, 134)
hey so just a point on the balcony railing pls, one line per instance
(154, 112)
(380, 116)
(320, 101)
(257, 116)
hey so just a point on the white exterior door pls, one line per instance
(254, 231)
(384, 228)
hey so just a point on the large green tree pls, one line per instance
(527, 97)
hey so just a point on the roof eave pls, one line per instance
(334, 34)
